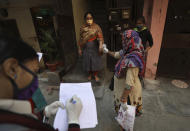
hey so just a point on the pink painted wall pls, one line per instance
(159, 11)
(147, 11)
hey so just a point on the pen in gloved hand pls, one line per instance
(73, 101)
(74, 108)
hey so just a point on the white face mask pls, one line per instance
(89, 22)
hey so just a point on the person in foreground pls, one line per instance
(18, 73)
(127, 86)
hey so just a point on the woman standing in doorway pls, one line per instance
(91, 46)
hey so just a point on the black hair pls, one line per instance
(89, 12)
(142, 19)
(15, 48)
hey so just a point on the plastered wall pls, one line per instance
(79, 9)
(25, 25)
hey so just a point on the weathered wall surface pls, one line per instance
(79, 9)
(159, 12)
(25, 25)
(20, 11)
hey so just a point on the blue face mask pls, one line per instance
(28, 92)
(139, 26)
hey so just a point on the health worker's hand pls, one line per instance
(74, 108)
(52, 108)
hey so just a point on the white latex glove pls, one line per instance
(104, 45)
(74, 108)
(52, 108)
(105, 49)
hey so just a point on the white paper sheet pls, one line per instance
(39, 55)
(88, 117)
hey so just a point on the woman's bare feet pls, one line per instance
(97, 79)
(89, 77)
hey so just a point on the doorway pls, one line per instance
(120, 13)
(174, 60)
(44, 26)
